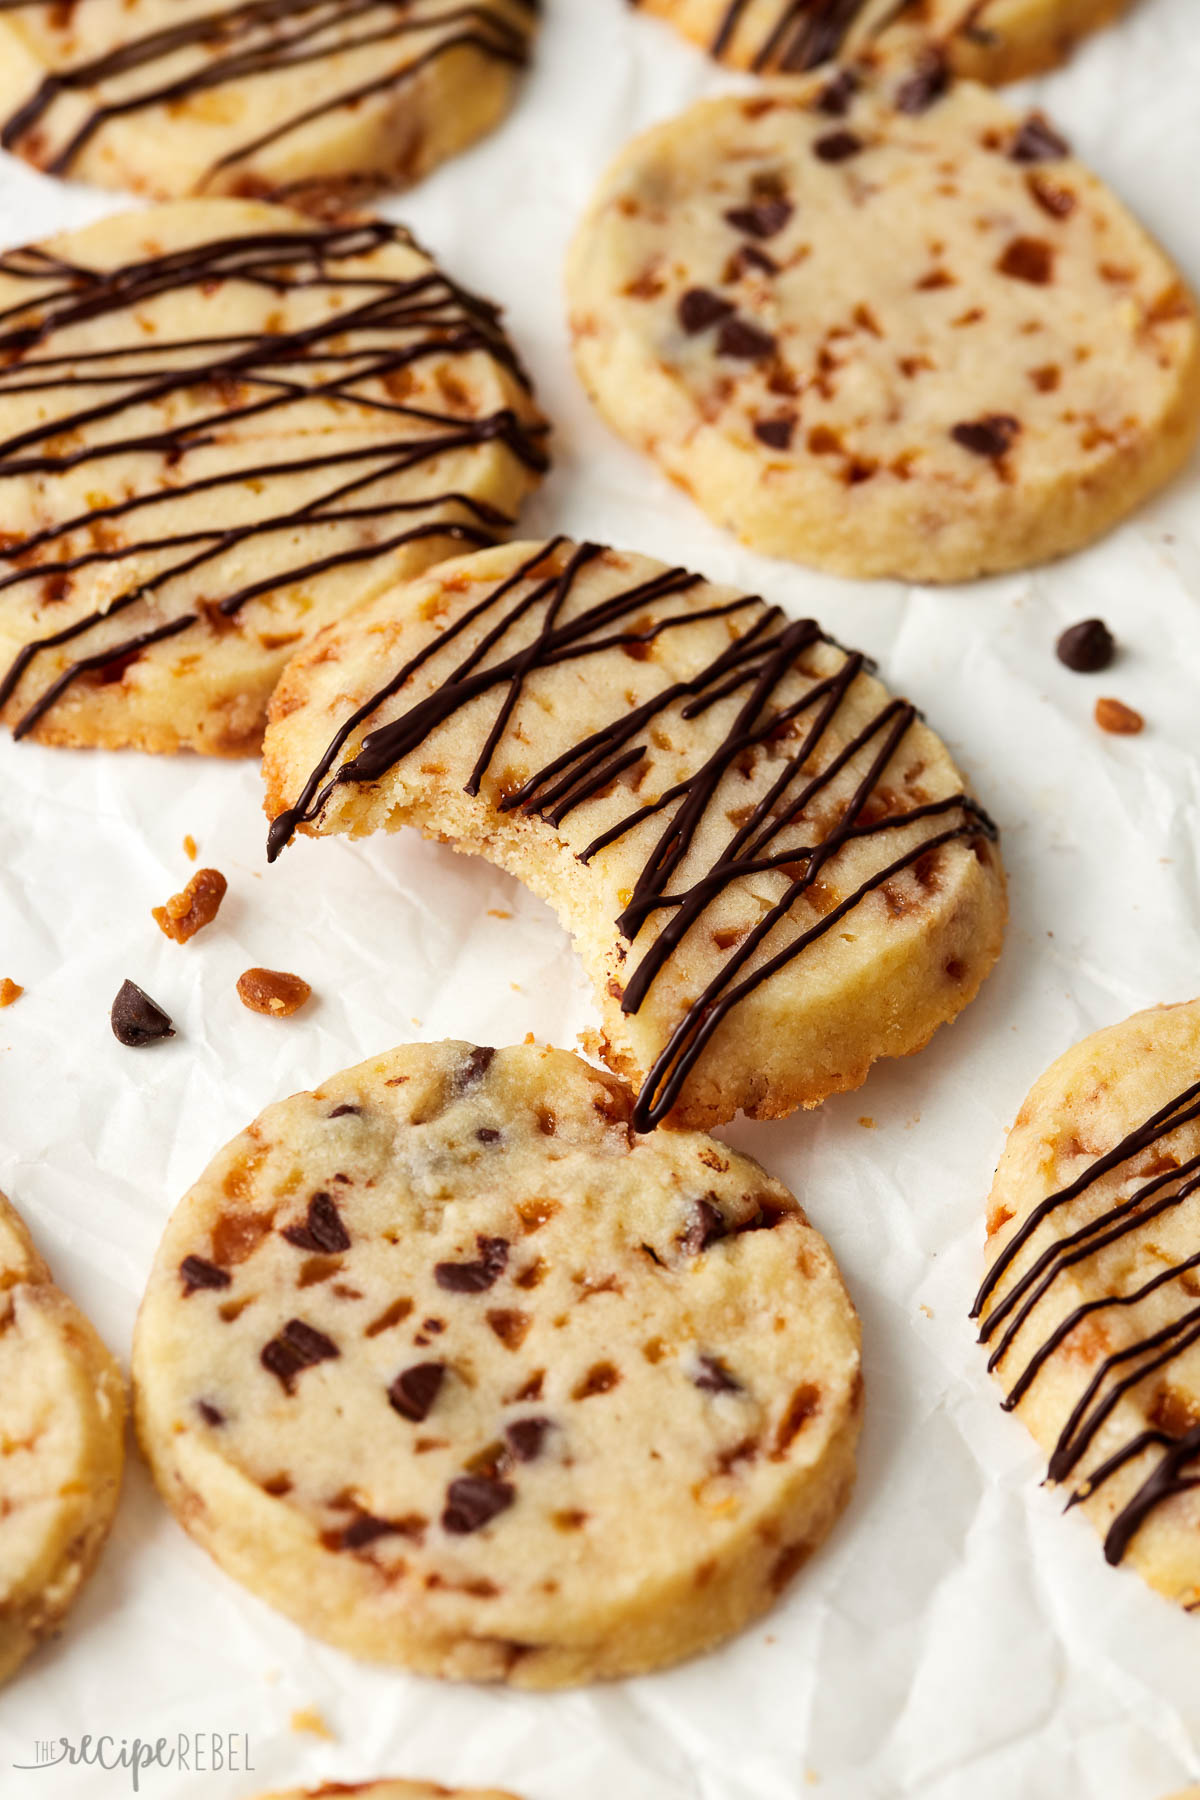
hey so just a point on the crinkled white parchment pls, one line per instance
(956, 1637)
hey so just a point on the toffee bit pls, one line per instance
(272, 992)
(137, 1019)
(197, 906)
(1115, 716)
(10, 991)
(1087, 647)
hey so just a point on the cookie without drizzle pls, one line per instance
(62, 1446)
(886, 334)
(1090, 1310)
(418, 1345)
(318, 102)
(221, 425)
(771, 867)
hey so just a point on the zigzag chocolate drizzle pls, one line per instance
(1124, 1369)
(347, 356)
(754, 664)
(803, 33)
(260, 37)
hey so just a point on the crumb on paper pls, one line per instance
(927, 1310)
(197, 906)
(498, 912)
(867, 1122)
(273, 992)
(10, 991)
(529, 1038)
(515, 986)
(189, 847)
(308, 1720)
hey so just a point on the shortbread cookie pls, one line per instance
(771, 868)
(62, 1421)
(926, 344)
(990, 40)
(220, 426)
(389, 1790)
(418, 1346)
(315, 101)
(1091, 1305)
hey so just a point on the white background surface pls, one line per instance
(956, 1637)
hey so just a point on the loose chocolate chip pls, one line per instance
(474, 1277)
(473, 1068)
(526, 1437)
(342, 1112)
(837, 146)
(1086, 647)
(212, 1415)
(323, 1231)
(1037, 141)
(714, 1377)
(762, 218)
(837, 96)
(927, 83)
(473, 1500)
(776, 434)
(137, 1020)
(705, 1226)
(298, 1346)
(990, 436)
(737, 337)
(699, 308)
(414, 1390)
(200, 1274)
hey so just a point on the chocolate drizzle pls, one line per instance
(803, 33)
(357, 356)
(1168, 1183)
(230, 44)
(749, 671)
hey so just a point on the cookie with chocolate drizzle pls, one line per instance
(418, 1345)
(316, 102)
(390, 1790)
(1090, 1310)
(221, 425)
(771, 867)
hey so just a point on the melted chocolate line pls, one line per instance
(1087, 1418)
(1162, 1484)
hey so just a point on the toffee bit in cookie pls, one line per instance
(1087, 647)
(762, 218)
(927, 83)
(714, 1378)
(737, 337)
(323, 1230)
(1115, 716)
(414, 1390)
(137, 1019)
(992, 435)
(272, 992)
(187, 913)
(472, 1501)
(298, 1346)
(1037, 141)
(699, 308)
(525, 1438)
(10, 991)
(837, 146)
(1028, 259)
(474, 1277)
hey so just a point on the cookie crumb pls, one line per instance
(308, 1720)
(10, 991)
(496, 912)
(187, 913)
(189, 847)
(1114, 715)
(1087, 647)
(273, 992)
(137, 1019)
(867, 1122)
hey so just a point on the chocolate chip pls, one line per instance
(137, 1020)
(990, 436)
(324, 1231)
(837, 146)
(362, 1531)
(699, 308)
(486, 1135)
(525, 1438)
(473, 1068)
(746, 256)
(414, 1390)
(342, 1112)
(837, 96)
(714, 1377)
(212, 1415)
(1086, 647)
(762, 218)
(927, 83)
(737, 337)
(298, 1346)
(705, 1226)
(474, 1277)
(1037, 141)
(768, 1216)
(472, 1501)
(776, 434)
(200, 1274)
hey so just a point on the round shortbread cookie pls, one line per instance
(221, 425)
(926, 344)
(317, 102)
(418, 1345)
(989, 40)
(389, 1790)
(62, 1446)
(771, 868)
(1091, 1306)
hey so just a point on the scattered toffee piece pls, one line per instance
(414, 1390)
(700, 308)
(991, 436)
(474, 1277)
(272, 992)
(837, 96)
(1037, 141)
(714, 1377)
(10, 991)
(198, 1273)
(706, 1225)
(137, 1019)
(762, 218)
(472, 1501)
(298, 1346)
(927, 83)
(837, 146)
(1087, 647)
(187, 913)
(323, 1231)
(1113, 715)
(525, 1438)
(737, 337)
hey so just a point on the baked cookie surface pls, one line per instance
(388, 1790)
(770, 866)
(1090, 1309)
(316, 102)
(417, 1346)
(923, 343)
(989, 40)
(62, 1422)
(221, 424)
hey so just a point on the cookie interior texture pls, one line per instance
(418, 1345)
(317, 102)
(221, 425)
(886, 332)
(989, 40)
(1090, 1310)
(770, 866)
(62, 1419)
